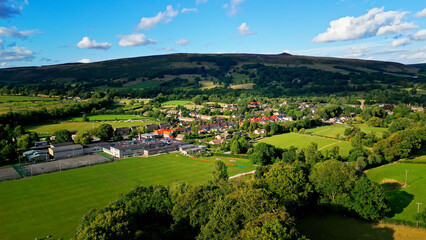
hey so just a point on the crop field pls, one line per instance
(22, 103)
(177, 102)
(402, 199)
(114, 117)
(301, 140)
(242, 86)
(53, 204)
(49, 129)
(333, 130)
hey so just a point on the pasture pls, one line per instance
(301, 141)
(48, 129)
(177, 102)
(53, 204)
(22, 103)
(325, 225)
(333, 130)
(114, 117)
(402, 199)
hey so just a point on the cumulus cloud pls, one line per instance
(182, 42)
(422, 13)
(163, 17)
(418, 36)
(84, 60)
(233, 6)
(376, 22)
(136, 39)
(245, 30)
(188, 10)
(5, 64)
(8, 9)
(13, 32)
(200, 1)
(92, 44)
(16, 54)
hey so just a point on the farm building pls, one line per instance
(66, 151)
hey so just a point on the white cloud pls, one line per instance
(245, 30)
(164, 17)
(400, 42)
(182, 42)
(92, 44)
(16, 54)
(84, 60)
(188, 10)
(375, 22)
(233, 6)
(200, 1)
(136, 39)
(422, 13)
(420, 35)
(13, 32)
(166, 49)
(5, 64)
(357, 52)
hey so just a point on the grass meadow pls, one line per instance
(48, 129)
(108, 117)
(177, 102)
(402, 199)
(333, 130)
(52, 204)
(22, 103)
(302, 140)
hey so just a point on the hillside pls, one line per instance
(274, 75)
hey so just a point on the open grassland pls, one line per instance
(208, 85)
(333, 130)
(327, 226)
(419, 91)
(301, 140)
(242, 86)
(22, 103)
(53, 204)
(114, 117)
(177, 102)
(49, 129)
(402, 199)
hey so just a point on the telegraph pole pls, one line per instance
(418, 211)
(406, 174)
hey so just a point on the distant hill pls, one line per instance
(151, 66)
(271, 75)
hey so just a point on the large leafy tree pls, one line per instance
(288, 183)
(104, 132)
(62, 136)
(220, 172)
(264, 154)
(83, 138)
(333, 180)
(368, 199)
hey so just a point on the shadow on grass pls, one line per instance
(398, 200)
(324, 226)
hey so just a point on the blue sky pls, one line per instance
(44, 32)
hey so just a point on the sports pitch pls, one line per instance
(53, 204)
(333, 130)
(301, 141)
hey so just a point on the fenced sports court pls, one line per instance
(28, 170)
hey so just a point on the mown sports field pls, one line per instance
(53, 204)
(403, 199)
(303, 140)
(108, 117)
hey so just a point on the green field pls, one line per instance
(22, 103)
(108, 117)
(403, 200)
(49, 129)
(176, 102)
(333, 130)
(53, 204)
(301, 140)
